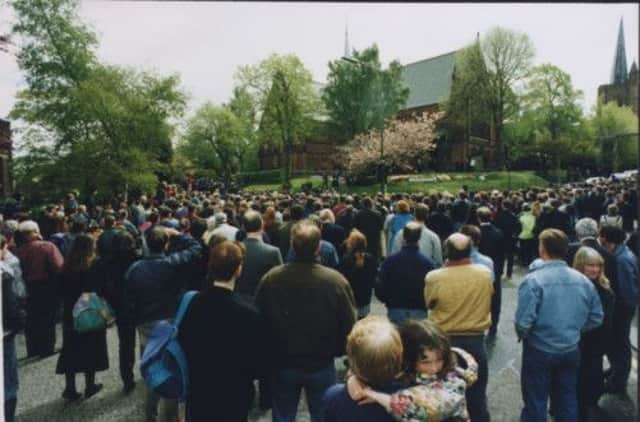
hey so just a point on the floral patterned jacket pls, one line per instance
(435, 398)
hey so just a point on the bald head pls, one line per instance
(411, 233)
(458, 246)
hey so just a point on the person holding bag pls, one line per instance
(81, 351)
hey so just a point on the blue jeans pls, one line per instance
(545, 374)
(286, 388)
(476, 394)
(10, 376)
(399, 315)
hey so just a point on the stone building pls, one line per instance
(623, 87)
(6, 182)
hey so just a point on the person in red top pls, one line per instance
(40, 261)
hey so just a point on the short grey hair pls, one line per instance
(586, 227)
(28, 226)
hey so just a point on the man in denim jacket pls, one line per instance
(555, 305)
(627, 290)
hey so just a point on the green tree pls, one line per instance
(283, 90)
(214, 140)
(616, 131)
(507, 55)
(361, 95)
(243, 106)
(91, 125)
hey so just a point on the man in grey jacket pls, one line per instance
(429, 243)
(259, 258)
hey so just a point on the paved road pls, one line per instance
(39, 397)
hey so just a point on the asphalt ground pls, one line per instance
(39, 396)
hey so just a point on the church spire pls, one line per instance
(619, 73)
(347, 47)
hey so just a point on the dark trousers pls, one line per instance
(40, 327)
(509, 255)
(549, 374)
(496, 304)
(10, 410)
(476, 394)
(620, 352)
(590, 383)
(127, 351)
(527, 251)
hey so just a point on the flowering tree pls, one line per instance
(406, 144)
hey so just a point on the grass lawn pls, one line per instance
(426, 182)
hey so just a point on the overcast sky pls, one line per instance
(206, 42)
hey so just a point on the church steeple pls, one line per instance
(347, 47)
(619, 73)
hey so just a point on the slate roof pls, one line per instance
(429, 80)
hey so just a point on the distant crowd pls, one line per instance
(285, 283)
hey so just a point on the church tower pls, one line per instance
(619, 73)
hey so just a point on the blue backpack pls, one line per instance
(164, 364)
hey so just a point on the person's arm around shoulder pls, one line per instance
(470, 373)
(529, 296)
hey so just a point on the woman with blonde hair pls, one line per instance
(359, 268)
(593, 343)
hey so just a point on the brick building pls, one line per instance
(6, 182)
(623, 87)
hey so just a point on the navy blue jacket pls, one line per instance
(402, 279)
(154, 284)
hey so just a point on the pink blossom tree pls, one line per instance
(404, 144)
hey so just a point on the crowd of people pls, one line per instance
(285, 286)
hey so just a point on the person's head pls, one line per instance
(586, 227)
(427, 349)
(611, 236)
(422, 212)
(554, 244)
(305, 240)
(411, 233)
(374, 350)
(590, 263)
(356, 242)
(28, 230)
(198, 227)
(457, 246)
(367, 203)
(402, 207)
(473, 232)
(326, 216)
(220, 218)
(158, 240)
(225, 261)
(297, 212)
(252, 221)
(612, 210)
(123, 244)
(82, 253)
(484, 214)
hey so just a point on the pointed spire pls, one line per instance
(619, 73)
(633, 72)
(347, 48)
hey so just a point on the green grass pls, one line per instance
(492, 180)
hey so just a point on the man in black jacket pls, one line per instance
(506, 221)
(492, 245)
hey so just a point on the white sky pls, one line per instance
(206, 42)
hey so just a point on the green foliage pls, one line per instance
(508, 56)
(609, 123)
(361, 95)
(283, 91)
(89, 125)
(261, 177)
(468, 104)
(214, 139)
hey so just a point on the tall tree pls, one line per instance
(508, 56)
(102, 126)
(214, 140)
(360, 94)
(243, 106)
(283, 89)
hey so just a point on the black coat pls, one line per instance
(510, 226)
(334, 234)
(492, 243)
(361, 279)
(80, 352)
(441, 224)
(370, 223)
(226, 345)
